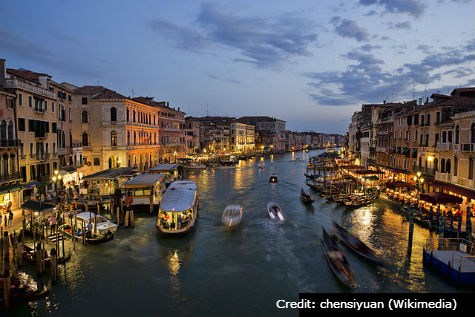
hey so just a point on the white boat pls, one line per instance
(273, 178)
(105, 227)
(146, 188)
(232, 215)
(261, 165)
(275, 212)
(224, 165)
(178, 208)
(195, 166)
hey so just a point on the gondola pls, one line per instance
(310, 176)
(23, 288)
(337, 260)
(306, 198)
(93, 239)
(357, 245)
(29, 255)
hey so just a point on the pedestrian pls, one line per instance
(10, 219)
(5, 221)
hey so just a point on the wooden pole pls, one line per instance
(53, 264)
(6, 289)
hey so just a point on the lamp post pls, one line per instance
(57, 179)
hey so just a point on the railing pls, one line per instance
(42, 156)
(14, 83)
(428, 171)
(9, 143)
(445, 146)
(464, 147)
(40, 110)
(450, 244)
(11, 176)
(444, 177)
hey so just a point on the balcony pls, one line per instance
(428, 171)
(464, 147)
(42, 156)
(445, 146)
(444, 177)
(17, 84)
(7, 143)
(40, 110)
(10, 177)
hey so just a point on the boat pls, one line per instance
(179, 208)
(145, 189)
(273, 179)
(223, 165)
(23, 288)
(89, 239)
(232, 215)
(275, 212)
(100, 224)
(357, 245)
(337, 260)
(29, 255)
(261, 165)
(195, 166)
(305, 196)
(310, 176)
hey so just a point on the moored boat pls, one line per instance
(305, 196)
(179, 208)
(100, 224)
(82, 234)
(23, 288)
(275, 212)
(29, 255)
(337, 260)
(273, 178)
(357, 245)
(223, 165)
(261, 165)
(145, 189)
(232, 215)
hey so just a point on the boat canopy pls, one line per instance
(144, 180)
(179, 197)
(164, 168)
(37, 206)
(111, 174)
(87, 215)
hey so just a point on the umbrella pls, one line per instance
(441, 198)
(468, 226)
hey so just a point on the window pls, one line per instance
(113, 138)
(21, 124)
(30, 101)
(52, 107)
(85, 140)
(84, 100)
(46, 105)
(444, 137)
(127, 112)
(3, 130)
(447, 166)
(472, 133)
(113, 114)
(457, 136)
(97, 161)
(470, 168)
(10, 130)
(449, 136)
(20, 99)
(84, 116)
(456, 161)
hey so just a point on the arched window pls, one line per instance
(133, 115)
(113, 114)
(447, 166)
(113, 138)
(127, 113)
(436, 164)
(457, 135)
(84, 118)
(444, 137)
(85, 139)
(442, 166)
(470, 168)
(135, 137)
(3, 130)
(449, 136)
(10, 130)
(472, 133)
(128, 137)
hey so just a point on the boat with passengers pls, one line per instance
(146, 189)
(178, 208)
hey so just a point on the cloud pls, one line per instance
(400, 26)
(349, 28)
(414, 8)
(365, 80)
(14, 44)
(228, 80)
(264, 42)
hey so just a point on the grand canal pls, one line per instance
(217, 271)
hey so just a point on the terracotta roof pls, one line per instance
(109, 94)
(27, 74)
(89, 90)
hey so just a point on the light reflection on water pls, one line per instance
(200, 272)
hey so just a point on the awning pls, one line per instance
(144, 180)
(399, 184)
(36, 205)
(5, 189)
(441, 198)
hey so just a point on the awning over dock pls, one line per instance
(144, 180)
(112, 174)
(37, 206)
(164, 168)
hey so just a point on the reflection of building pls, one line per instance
(114, 131)
(10, 186)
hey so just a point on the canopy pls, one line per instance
(441, 198)
(144, 180)
(5, 189)
(399, 184)
(36, 205)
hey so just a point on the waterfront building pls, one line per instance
(464, 151)
(271, 132)
(192, 136)
(114, 130)
(215, 134)
(242, 138)
(171, 130)
(10, 178)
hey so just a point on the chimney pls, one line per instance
(3, 72)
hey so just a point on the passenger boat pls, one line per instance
(305, 196)
(275, 212)
(232, 215)
(261, 165)
(223, 165)
(273, 179)
(337, 260)
(357, 245)
(145, 189)
(179, 208)
(29, 255)
(100, 224)
(195, 166)
(23, 288)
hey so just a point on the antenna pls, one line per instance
(132, 92)
(413, 94)
(207, 112)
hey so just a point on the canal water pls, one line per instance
(216, 271)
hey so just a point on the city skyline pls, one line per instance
(231, 59)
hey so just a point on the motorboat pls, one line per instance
(273, 178)
(232, 215)
(275, 212)
(178, 208)
(224, 165)
(261, 165)
(305, 196)
(337, 260)
(100, 224)
(357, 245)
(195, 166)
(29, 255)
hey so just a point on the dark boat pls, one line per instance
(29, 255)
(23, 288)
(337, 260)
(310, 176)
(306, 198)
(273, 178)
(357, 245)
(94, 239)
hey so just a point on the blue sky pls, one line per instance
(311, 63)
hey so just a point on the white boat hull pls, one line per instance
(275, 212)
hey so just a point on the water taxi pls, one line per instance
(273, 178)
(232, 215)
(178, 208)
(146, 189)
(224, 165)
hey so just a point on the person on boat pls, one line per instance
(89, 229)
